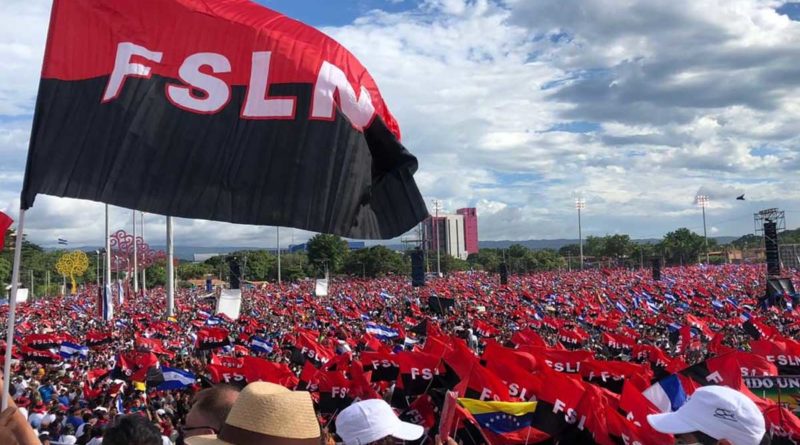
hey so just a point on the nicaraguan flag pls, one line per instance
(260, 344)
(119, 406)
(365, 317)
(621, 307)
(670, 297)
(386, 296)
(71, 350)
(652, 306)
(382, 332)
(203, 314)
(120, 293)
(120, 324)
(175, 378)
(717, 304)
(213, 321)
(732, 302)
(667, 394)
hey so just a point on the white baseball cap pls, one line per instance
(718, 411)
(371, 420)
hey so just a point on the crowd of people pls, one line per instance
(584, 357)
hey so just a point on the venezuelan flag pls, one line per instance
(500, 417)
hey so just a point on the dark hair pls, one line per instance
(132, 430)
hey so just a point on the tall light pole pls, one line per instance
(98, 269)
(702, 201)
(135, 257)
(144, 270)
(580, 204)
(278, 249)
(436, 205)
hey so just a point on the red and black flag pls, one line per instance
(383, 366)
(783, 354)
(42, 356)
(138, 367)
(43, 341)
(98, 338)
(216, 109)
(212, 338)
(5, 223)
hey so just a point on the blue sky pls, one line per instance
(518, 107)
(322, 13)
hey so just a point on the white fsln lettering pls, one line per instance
(124, 68)
(331, 79)
(217, 91)
(256, 105)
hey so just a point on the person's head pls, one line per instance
(267, 413)
(210, 409)
(132, 430)
(373, 421)
(713, 415)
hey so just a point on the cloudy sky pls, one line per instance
(519, 107)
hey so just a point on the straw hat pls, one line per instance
(267, 414)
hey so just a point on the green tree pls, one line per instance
(594, 246)
(486, 259)
(617, 246)
(5, 274)
(376, 261)
(157, 274)
(327, 249)
(683, 246)
(570, 250)
(193, 271)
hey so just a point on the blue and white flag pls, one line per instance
(717, 304)
(175, 378)
(119, 324)
(71, 350)
(732, 302)
(213, 321)
(667, 394)
(382, 332)
(365, 317)
(653, 307)
(118, 405)
(203, 313)
(120, 293)
(621, 307)
(106, 303)
(670, 297)
(386, 296)
(260, 344)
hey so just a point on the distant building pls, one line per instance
(470, 215)
(445, 233)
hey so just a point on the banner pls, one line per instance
(216, 109)
(783, 389)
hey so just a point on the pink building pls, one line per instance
(470, 228)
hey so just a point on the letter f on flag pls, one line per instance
(5, 223)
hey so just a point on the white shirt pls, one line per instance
(165, 440)
(95, 441)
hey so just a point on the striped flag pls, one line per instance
(175, 378)
(380, 331)
(71, 350)
(260, 344)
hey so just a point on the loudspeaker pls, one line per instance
(771, 247)
(236, 273)
(503, 274)
(417, 269)
(656, 264)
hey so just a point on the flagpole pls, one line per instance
(12, 308)
(144, 270)
(278, 248)
(135, 258)
(109, 302)
(170, 270)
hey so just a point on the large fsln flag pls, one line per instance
(216, 109)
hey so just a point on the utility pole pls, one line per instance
(702, 201)
(32, 284)
(580, 204)
(278, 249)
(47, 286)
(144, 270)
(436, 205)
(135, 257)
